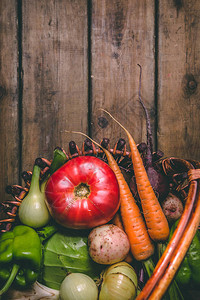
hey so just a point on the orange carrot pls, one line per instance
(156, 221)
(116, 220)
(134, 225)
(173, 244)
(179, 253)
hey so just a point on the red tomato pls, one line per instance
(83, 193)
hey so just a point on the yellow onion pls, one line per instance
(78, 286)
(119, 282)
(33, 210)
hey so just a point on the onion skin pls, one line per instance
(119, 283)
(78, 286)
(117, 287)
(108, 244)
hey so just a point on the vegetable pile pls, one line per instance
(101, 223)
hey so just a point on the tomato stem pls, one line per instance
(82, 190)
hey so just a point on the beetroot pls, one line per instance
(157, 178)
(172, 207)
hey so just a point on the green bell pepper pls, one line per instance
(189, 271)
(20, 257)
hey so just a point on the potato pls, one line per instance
(108, 244)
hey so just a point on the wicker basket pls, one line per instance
(182, 175)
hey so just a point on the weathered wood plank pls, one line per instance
(122, 37)
(9, 150)
(179, 64)
(55, 75)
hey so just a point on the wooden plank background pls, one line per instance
(60, 61)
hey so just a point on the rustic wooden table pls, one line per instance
(60, 61)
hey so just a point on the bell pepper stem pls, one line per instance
(10, 280)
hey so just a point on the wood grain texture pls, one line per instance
(122, 37)
(78, 56)
(55, 75)
(179, 77)
(9, 150)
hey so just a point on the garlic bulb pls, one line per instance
(36, 292)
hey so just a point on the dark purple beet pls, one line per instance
(156, 176)
(159, 182)
(172, 207)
